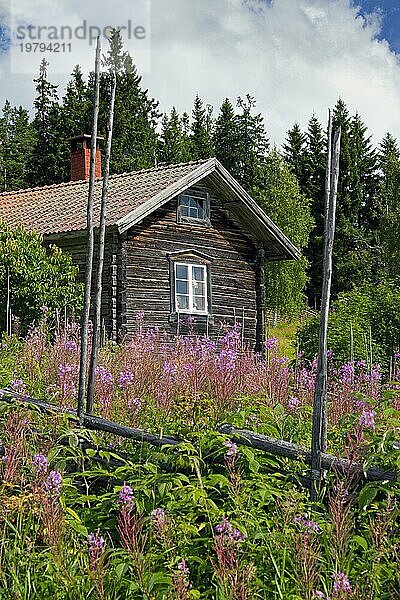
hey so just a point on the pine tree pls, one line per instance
(47, 165)
(174, 140)
(201, 139)
(226, 137)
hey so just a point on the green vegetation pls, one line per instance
(204, 519)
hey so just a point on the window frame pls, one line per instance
(191, 310)
(191, 258)
(199, 195)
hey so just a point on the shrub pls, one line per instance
(40, 279)
(367, 318)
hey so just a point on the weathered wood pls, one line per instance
(260, 299)
(239, 436)
(295, 452)
(319, 426)
(232, 272)
(102, 237)
(90, 243)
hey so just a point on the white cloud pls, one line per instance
(294, 56)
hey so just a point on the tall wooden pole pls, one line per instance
(319, 425)
(90, 242)
(102, 238)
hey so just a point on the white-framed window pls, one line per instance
(191, 288)
(194, 207)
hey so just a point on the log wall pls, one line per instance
(145, 271)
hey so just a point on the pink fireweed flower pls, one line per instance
(69, 345)
(341, 584)
(159, 521)
(53, 483)
(293, 403)
(183, 568)
(18, 386)
(96, 545)
(125, 379)
(271, 343)
(367, 419)
(308, 524)
(133, 403)
(39, 462)
(232, 449)
(126, 495)
(226, 530)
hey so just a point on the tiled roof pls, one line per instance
(62, 207)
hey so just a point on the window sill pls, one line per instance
(198, 317)
(192, 221)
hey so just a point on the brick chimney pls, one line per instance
(80, 157)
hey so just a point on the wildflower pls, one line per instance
(126, 495)
(39, 461)
(96, 545)
(319, 594)
(271, 343)
(125, 379)
(53, 483)
(367, 419)
(341, 584)
(69, 345)
(232, 450)
(293, 403)
(18, 386)
(169, 369)
(44, 309)
(134, 403)
(183, 568)
(159, 521)
(308, 524)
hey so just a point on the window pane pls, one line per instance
(199, 303)
(198, 288)
(185, 200)
(194, 213)
(181, 272)
(184, 211)
(182, 287)
(198, 273)
(182, 302)
(192, 206)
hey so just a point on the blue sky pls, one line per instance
(390, 12)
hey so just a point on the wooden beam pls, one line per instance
(239, 436)
(319, 427)
(260, 299)
(90, 243)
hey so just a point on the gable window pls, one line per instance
(191, 288)
(194, 207)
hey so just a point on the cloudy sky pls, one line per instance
(295, 56)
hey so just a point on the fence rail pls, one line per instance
(239, 436)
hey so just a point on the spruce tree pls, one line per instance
(174, 144)
(226, 137)
(15, 147)
(252, 144)
(47, 165)
(389, 165)
(295, 154)
(201, 139)
(315, 190)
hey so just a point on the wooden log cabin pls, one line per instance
(183, 240)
